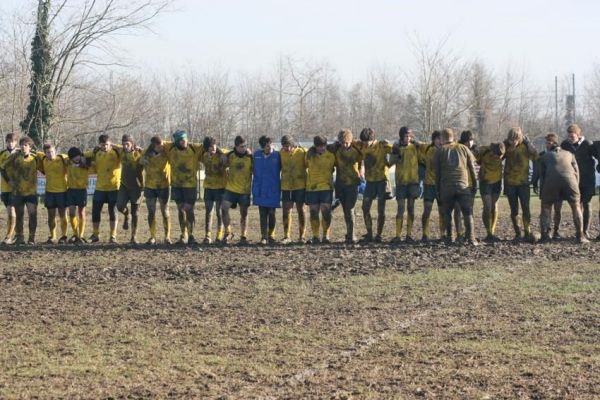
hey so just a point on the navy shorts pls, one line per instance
(236, 198)
(21, 200)
(429, 193)
(6, 199)
(128, 195)
(55, 200)
(490, 189)
(163, 194)
(77, 198)
(106, 197)
(319, 197)
(376, 189)
(184, 195)
(213, 194)
(411, 191)
(293, 196)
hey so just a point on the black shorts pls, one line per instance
(293, 196)
(319, 197)
(490, 189)
(587, 192)
(213, 194)
(411, 191)
(55, 200)
(430, 193)
(348, 194)
(106, 197)
(376, 189)
(184, 195)
(128, 195)
(6, 199)
(21, 200)
(77, 198)
(163, 194)
(236, 198)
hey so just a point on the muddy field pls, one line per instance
(333, 321)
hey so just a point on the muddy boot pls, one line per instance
(470, 232)
(515, 221)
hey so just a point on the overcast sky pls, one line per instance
(547, 37)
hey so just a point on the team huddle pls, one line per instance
(441, 171)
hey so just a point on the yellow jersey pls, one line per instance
(490, 170)
(77, 175)
(320, 170)
(407, 164)
(132, 175)
(239, 173)
(108, 168)
(374, 156)
(293, 169)
(4, 185)
(55, 171)
(22, 171)
(184, 164)
(426, 156)
(516, 164)
(215, 170)
(347, 165)
(158, 170)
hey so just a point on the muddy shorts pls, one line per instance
(163, 194)
(21, 200)
(236, 198)
(215, 195)
(293, 196)
(184, 195)
(490, 189)
(126, 195)
(587, 192)
(77, 198)
(105, 197)
(319, 197)
(55, 200)
(375, 189)
(411, 191)
(6, 199)
(449, 197)
(559, 190)
(429, 193)
(348, 194)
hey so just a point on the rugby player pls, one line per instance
(347, 178)
(490, 159)
(375, 161)
(132, 184)
(320, 164)
(237, 190)
(586, 154)
(519, 153)
(11, 142)
(184, 158)
(78, 170)
(430, 193)
(559, 178)
(106, 159)
(266, 187)
(455, 177)
(293, 186)
(20, 171)
(54, 167)
(406, 159)
(157, 187)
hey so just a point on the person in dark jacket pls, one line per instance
(585, 153)
(559, 179)
(266, 187)
(535, 183)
